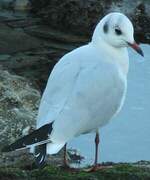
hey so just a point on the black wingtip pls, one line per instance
(40, 161)
(40, 155)
(36, 136)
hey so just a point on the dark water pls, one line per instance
(127, 137)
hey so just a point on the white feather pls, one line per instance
(84, 91)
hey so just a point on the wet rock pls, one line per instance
(6, 4)
(77, 16)
(19, 102)
(15, 4)
(35, 65)
(4, 57)
(141, 21)
(24, 160)
(12, 41)
(22, 5)
(45, 32)
(30, 49)
(81, 16)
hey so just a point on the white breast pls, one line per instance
(84, 91)
(96, 96)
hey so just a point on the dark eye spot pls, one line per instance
(118, 31)
(105, 28)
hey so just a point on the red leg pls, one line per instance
(95, 165)
(96, 148)
(66, 163)
(65, 156)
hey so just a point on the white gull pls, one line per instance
(86, 88)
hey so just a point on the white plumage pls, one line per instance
(87, 86)
(85, 90)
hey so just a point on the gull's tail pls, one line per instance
(38, 139)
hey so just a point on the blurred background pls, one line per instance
(34, 34)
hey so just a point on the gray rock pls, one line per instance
(81, 16)
(12, 41)
(15, 4)
(4, 57)
(77, 16)
(34, 65)
(21, 4)
(19, 102)
(45, 32)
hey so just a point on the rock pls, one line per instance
(6, 4)
(22, 5)
(81, 16)
(21, 22)
(4, 57)
(15, 4)
(12, 41)
(77, 16)
(23, 159)
(141, 21)
(34, 65)
(29, 49)
(46, 32)
(117, 172)
(19, 102)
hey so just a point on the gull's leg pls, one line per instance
(65, 161)
(95, 166)
(97, 140)
(65, 156)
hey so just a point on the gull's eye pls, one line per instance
(118, 31)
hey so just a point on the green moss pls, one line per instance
(117, 172)
(13, 174)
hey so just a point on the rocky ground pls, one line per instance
(29, 51)
(116, 172)
(29, 48)
(30, 45)
(81, 16)
(19, 103)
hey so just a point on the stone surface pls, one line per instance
(31, 45)
(30, 49)
(19, 102)
(34, 65)
(116, 172)
(15, 4)
(78, 16)
(141, 20)
(46, 32)
(12, 41)
(81, 16)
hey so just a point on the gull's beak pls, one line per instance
(136, 47)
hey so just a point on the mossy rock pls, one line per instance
(117, 172)
(19, 102)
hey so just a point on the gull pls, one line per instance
(85, 90)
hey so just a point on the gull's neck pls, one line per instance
(119, 56)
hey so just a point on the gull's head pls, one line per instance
(117, 31)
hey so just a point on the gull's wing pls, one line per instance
(58, 89)
(37, 137)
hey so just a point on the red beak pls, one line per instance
(136, 47)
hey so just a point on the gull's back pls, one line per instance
(87, 61)
(60, 83)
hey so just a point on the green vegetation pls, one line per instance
(117, 172)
